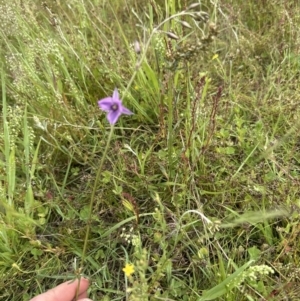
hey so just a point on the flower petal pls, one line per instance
(126, 111)
(116, 95)
(114, 107)
(113, 116)
(105, 104)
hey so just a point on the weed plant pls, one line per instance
(198, 196)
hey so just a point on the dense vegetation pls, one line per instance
(198, 191)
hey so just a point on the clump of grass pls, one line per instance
(199, 191)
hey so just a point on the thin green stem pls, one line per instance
(88, 225)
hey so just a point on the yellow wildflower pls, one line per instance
(128, 269)
(215, 56)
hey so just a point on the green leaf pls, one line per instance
(225, 286)
(84, 213)
(36, 253)
(254, 253)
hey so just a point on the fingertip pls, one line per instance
(82, 280)
(66, 291)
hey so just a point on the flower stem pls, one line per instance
(88, 225)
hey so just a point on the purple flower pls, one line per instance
(114, 107)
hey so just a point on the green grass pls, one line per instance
(199, 189)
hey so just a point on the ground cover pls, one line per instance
(193, 197)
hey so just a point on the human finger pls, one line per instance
(65, 291)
